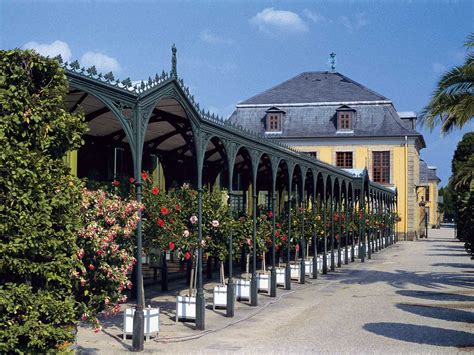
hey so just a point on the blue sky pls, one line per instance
(231, 50)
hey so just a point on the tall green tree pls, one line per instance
(462, 187)
(452, 103)
(39, 204)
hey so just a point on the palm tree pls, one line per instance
(452, 103)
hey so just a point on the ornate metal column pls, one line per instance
(288, 244)
(315, 235)
(325, 252)
(331, 213)
(362, 239)
(200, 300)
(346, 229)
(230, 282)
(303, 238)
(253, 281)
(339, 226)
(273, 285)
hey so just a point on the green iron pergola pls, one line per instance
(162, 118)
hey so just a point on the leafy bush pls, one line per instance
(106, 246)
(40, 204)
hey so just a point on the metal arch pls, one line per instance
(113, 104)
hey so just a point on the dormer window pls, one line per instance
(273, 120)
(345, 116)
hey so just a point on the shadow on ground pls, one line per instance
(422, 334)
(456, 265)
(403, 278)
(448, 314)
(436, 296)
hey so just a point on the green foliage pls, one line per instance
(461, 185)
(40, 203)
(452, 103)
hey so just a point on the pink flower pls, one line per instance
(186, 233)
(132, 180)
(107, 300)
(80, 253)
(84, 316)
(144, 175)
(193, 219)
(83, 282)
(203, 243)
(270, 214)
(91, 267)
(249, 241)
(116, 183)
(215, 223)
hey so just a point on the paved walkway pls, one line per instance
(415, 297)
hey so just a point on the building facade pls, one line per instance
(341, 122)
(428, 196)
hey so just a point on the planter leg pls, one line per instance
(287, 276)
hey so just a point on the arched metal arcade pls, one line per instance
(159, 121)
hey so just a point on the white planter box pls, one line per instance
(308, 267)
(280, 277)
(263, 282)
(152, 321)
(295, 271)
(185, 307)
(320, 264)
(220, 297)
(242, 289)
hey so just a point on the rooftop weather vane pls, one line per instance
(174, 71)
(332, 61)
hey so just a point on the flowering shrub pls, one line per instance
(105, 253)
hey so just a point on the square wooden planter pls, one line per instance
(308, 267)
(152, 321)
(185, 308)
(220, 297)
(280, 277)
(242, 289)
(295, 271)
(263, 282)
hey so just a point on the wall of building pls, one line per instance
(404, 172)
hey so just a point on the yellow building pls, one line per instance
(341, 122)
(428, 197)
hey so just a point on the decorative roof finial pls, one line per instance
(174, 71)
(332, 61)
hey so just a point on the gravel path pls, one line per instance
(415, 297)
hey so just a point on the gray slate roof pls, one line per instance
(427, 174)
(310, 101)
(316, 87)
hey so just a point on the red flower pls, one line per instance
(91, 267)
(155, 190)
(132, 180)
(171, 245)
(164, 211)
(283, 237)
(144, 175)
(270, 214)
(116, 183)
(177, 208)
(187, 255)
(277, 225)
(160, 222)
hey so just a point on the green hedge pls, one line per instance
(40, 203)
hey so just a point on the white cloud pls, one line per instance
(102, 62)
(438, 68)
(355, 22)
(51, 50)
(316, 17)
(269, 20)
(211, 38)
